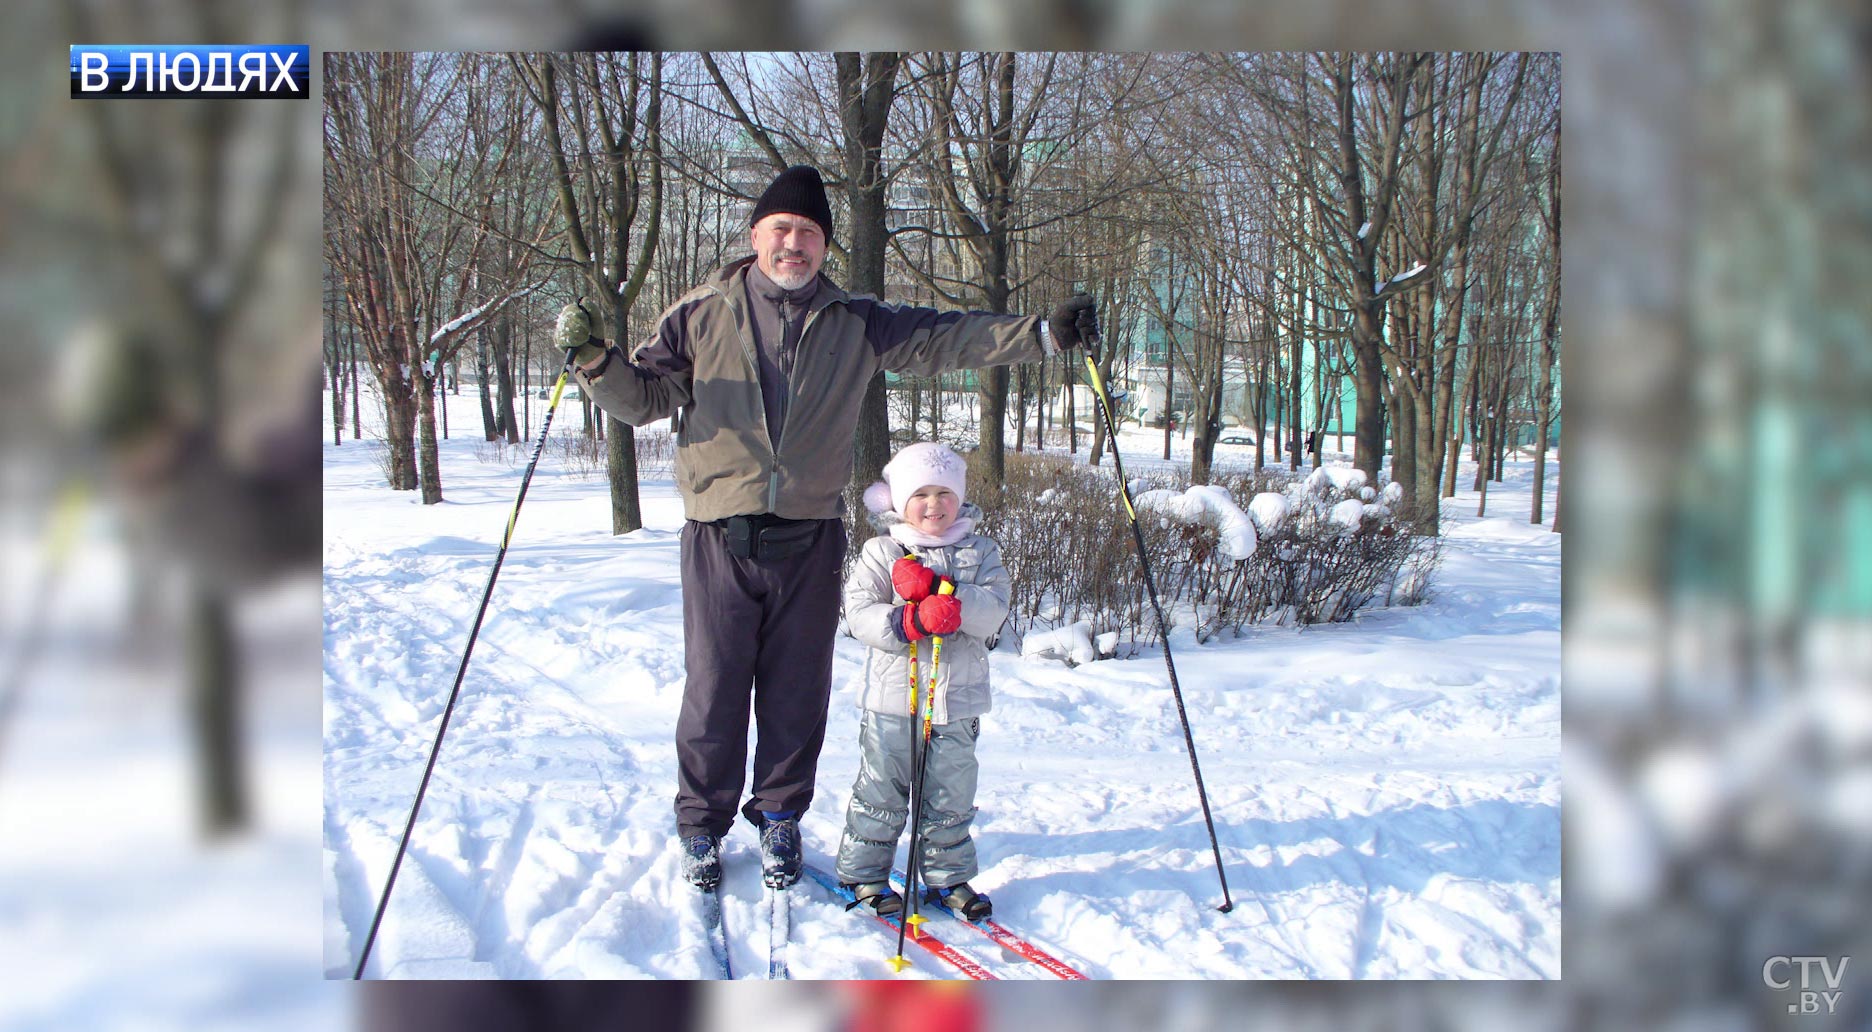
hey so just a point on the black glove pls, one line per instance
(1075, 322)
(574, 334)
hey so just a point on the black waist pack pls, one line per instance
(766, 536)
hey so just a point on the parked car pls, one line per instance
(1236, 437)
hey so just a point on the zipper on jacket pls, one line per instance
(786, 403)
(749, 351)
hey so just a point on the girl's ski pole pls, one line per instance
(919, 760)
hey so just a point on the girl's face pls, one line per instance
(931, 509)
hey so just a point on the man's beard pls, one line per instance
(789, 280)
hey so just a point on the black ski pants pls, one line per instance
(761, 631)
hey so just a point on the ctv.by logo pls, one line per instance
(1810, 999)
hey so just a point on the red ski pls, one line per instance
(1007, 940)
(949, 954)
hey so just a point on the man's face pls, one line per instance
(789, 248)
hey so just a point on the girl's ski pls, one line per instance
(1007, 940)
(962, 962)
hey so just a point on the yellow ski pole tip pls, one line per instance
(915, 920)
(898, 963)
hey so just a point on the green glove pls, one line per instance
(574, 334)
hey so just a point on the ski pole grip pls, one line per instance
(946, 587)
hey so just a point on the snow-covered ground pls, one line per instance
(114, 913)
(1386, 792)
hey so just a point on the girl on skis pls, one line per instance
(896, 602)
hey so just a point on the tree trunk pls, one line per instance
(1257, 403)
(428, 459)
(1020, 407)
(1481, 491)
(1277, 404)
(1296, 401)
(338, 400)
(1481, 437)
(399, 436)
(992, 394)
(215, 714)
(870, 451)
(1403, 436)
(1502, 442)
(1420, 492)
(1465, 417)
(1169, 403)
(490, 425)
(1549, 343)
(1559, 485)
(867, 87)
(1368, 430)
(1543, 423)
(357, 427)
(1043, 405)
(621, 466)
(503, 371)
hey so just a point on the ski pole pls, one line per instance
(919, 764)
(899, 961)
(435, 750)
(1150, 585)
(946, 588)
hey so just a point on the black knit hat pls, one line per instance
(797, 191)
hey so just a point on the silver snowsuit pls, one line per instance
(880, 803)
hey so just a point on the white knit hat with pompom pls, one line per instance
(918, 466)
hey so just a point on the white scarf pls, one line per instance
(909, 537)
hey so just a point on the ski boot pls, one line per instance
(964, 901)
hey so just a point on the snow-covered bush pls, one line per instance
(1251, 548)
(1067, 546)
(1331, 557)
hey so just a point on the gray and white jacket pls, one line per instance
(962, 688)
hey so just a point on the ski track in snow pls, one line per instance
(1386, 792)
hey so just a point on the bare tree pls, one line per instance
(1549, 344)
(1468, 101)
(610, 193)
(836, 119)
(411, 190)
(1344, 116)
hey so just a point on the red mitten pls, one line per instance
(939, 614)
(913, 581)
